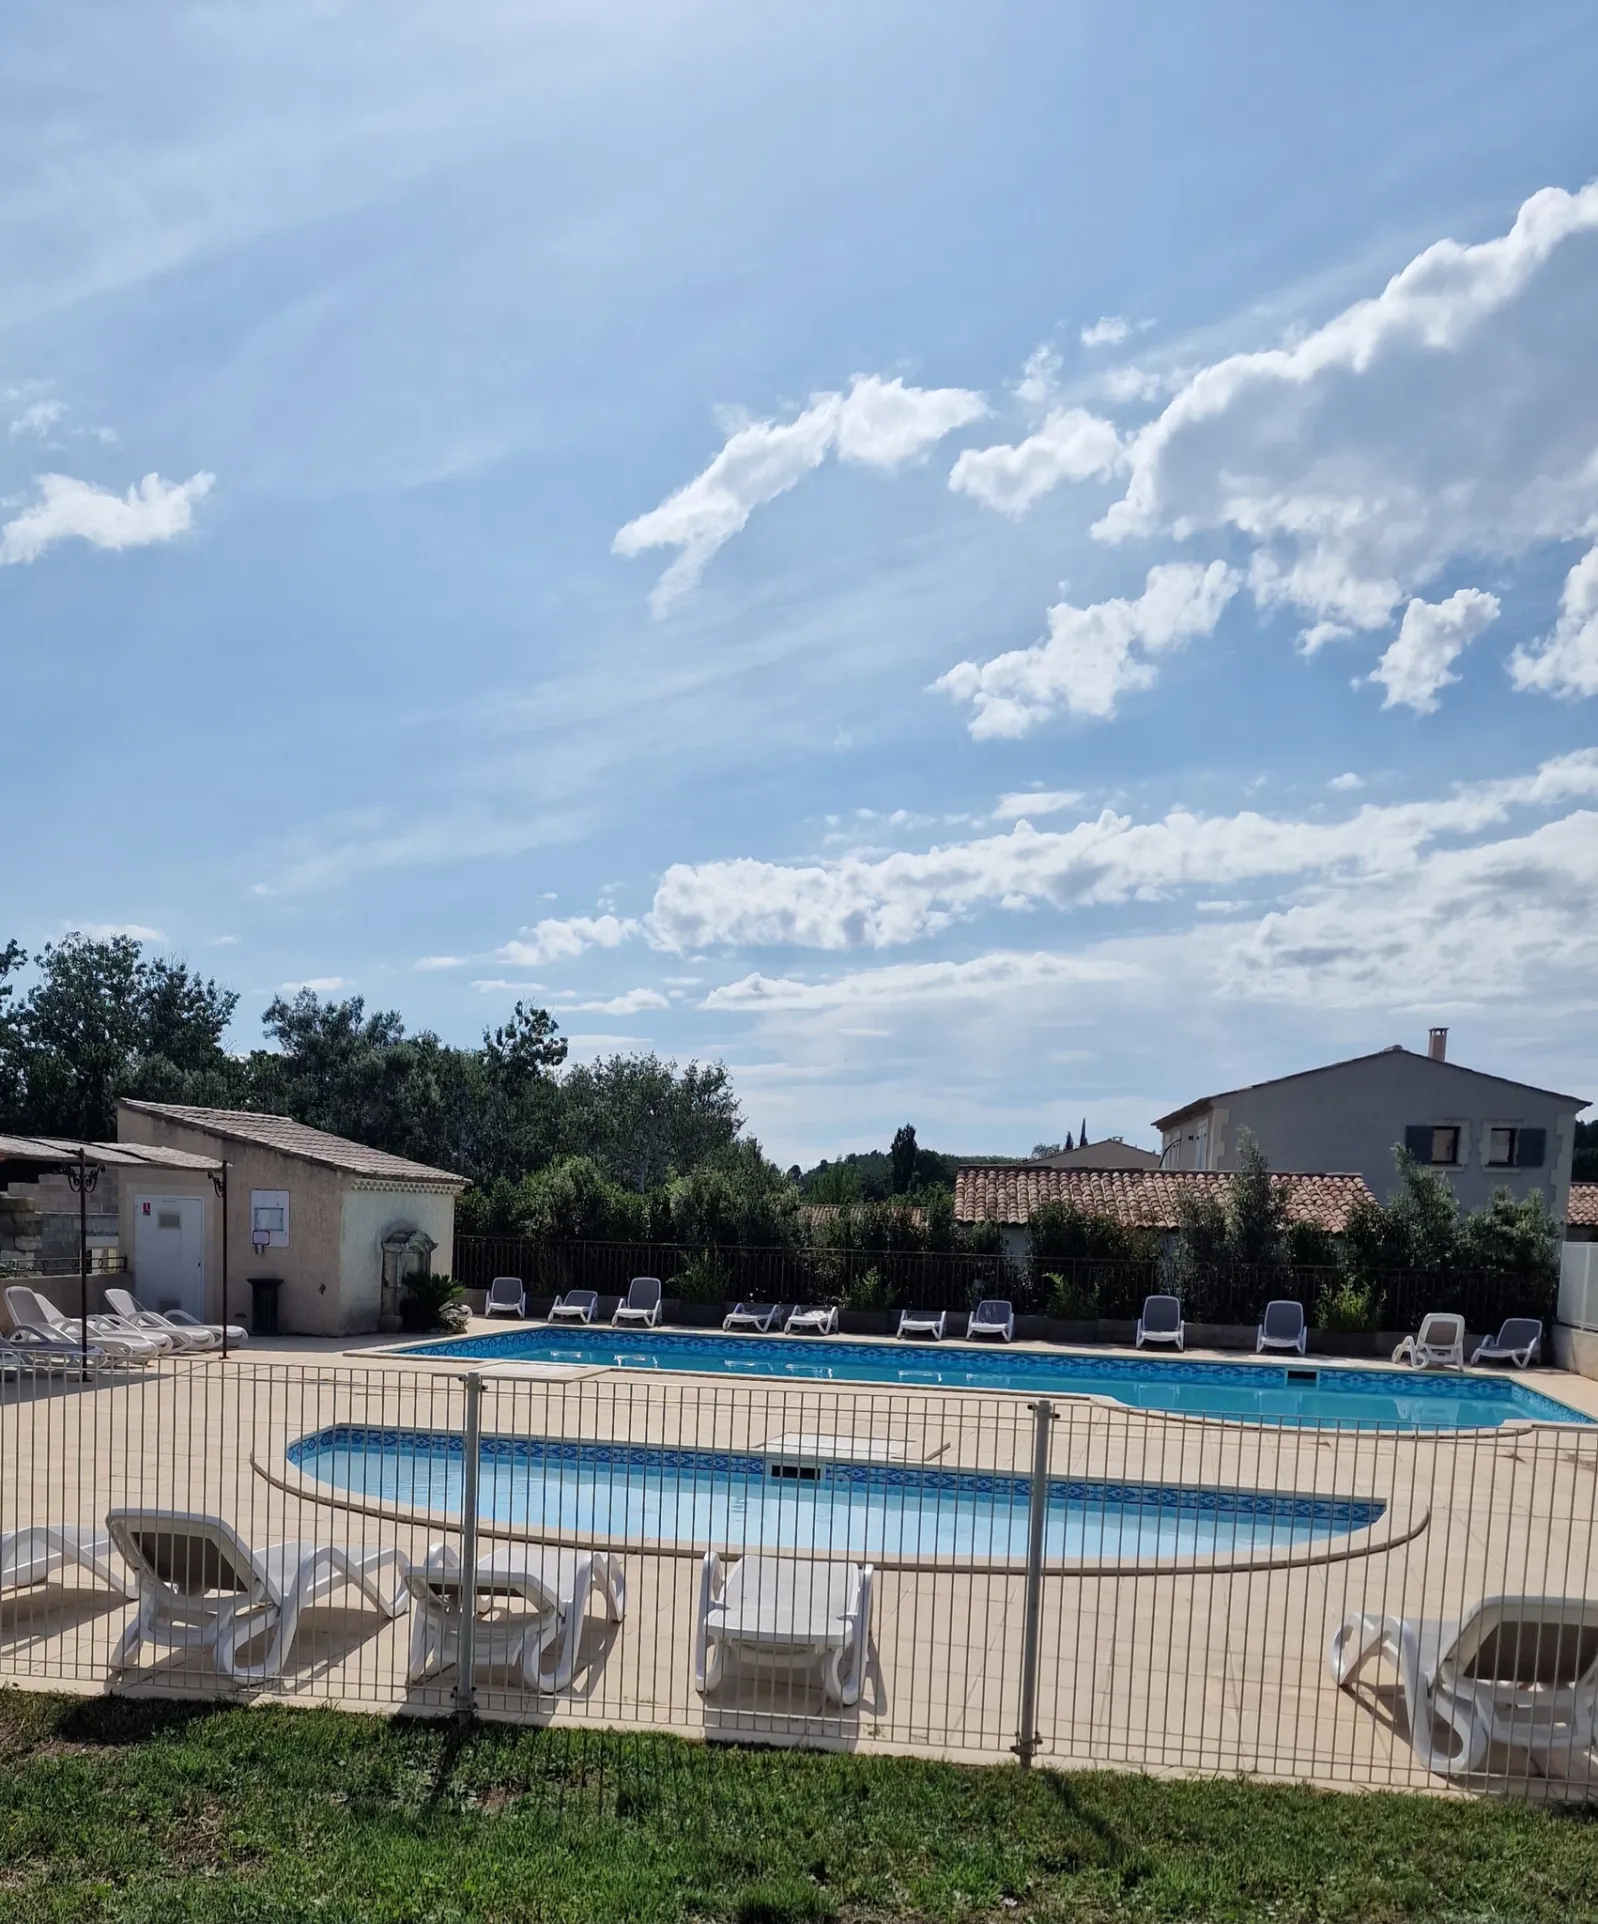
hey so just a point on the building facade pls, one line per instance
(1483, 1132)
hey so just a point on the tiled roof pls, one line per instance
(824, 1215)
(295, 1139)
(61, 1150)
(1146, 1198)
(1583, 1210)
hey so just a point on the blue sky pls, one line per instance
(979, 564)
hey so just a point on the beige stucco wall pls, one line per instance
(332, 1267)
(369, 1214)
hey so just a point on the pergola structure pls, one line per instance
(26, 1158)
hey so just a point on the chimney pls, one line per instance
(1437, 1044)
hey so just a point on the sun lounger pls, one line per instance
(813, 1322)
(236, 1332)
(507, 1296)
(30, 1310)
(1161, 1322)
(201, 1587)
(150, 1322)
(756, 1316)
(1519, 1342)
(1440, 1344)
(37, 1349)
(1517, 1671)
(641, 1304)
(1282, 1327)
(576, 1306)
(37, 1551)
(787, 1609)
(923, 1322)
(993, 1317)
(530, 1599)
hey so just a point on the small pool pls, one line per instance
(1292, 1392)
(642, 1494)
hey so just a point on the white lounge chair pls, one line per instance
(1440, 1344)
(507, 1296)
(993, 1316)
(201, 1587)
(819, 1321)
(1161, 1322)
(641, 1304)
(530, 1598)
(923, 1322)
(787, 1609)
(1282, 1327)
(237, 1334)
(38, 1550)
(150, 1322)
(36, 1349)
(576, 1306)
(1518, 1671)
(31, 1310)
(756, 1316)
(1519, 1341)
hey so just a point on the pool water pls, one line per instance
(701, 1497)
(1291, 1392)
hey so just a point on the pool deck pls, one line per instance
(1206, 1668)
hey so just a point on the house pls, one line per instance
(1111, 1153)
(1484, 1132)
(1010, 1194)
(340, 1225)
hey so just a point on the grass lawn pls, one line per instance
(111, 1809)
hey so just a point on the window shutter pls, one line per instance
(1531, 1148)
(1418, 1141)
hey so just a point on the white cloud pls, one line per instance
(1038, 377)
(879, 424)
(425, 964)
(318, 984)
(1566, 662)
(37, 419)
(1108, 331)
(875, 902)
(223, 942)
(1452, 415)
(904, 982)
(1431, 638)
(631, 1003)
(154, 510)
(1071, 445)
(1027, 802)
(103, 931)
(1092, 655)
(1345, 783)
(556, 939)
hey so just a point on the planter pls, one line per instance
(1366, 1344)
(693, 1315)
(1223, 1336)
(868, 1322)
(1056, 1330)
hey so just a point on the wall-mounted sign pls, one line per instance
(269, 1218)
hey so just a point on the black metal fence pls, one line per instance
(1080, 1291)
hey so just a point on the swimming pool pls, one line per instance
(1295, 1392)
(642, 1494)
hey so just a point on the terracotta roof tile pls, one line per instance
(291, 1138)
(1145, 1198)
(1583, 1210)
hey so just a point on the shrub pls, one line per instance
(1071, 1301)
(1349, 1305)
(872, 1291)
(432, 1302)
(702, 1280)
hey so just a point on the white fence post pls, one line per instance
(1026, 1742)
(466, 1649)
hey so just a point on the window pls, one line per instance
(1445, 1145)
(1501, 1148)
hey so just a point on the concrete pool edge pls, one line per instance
(1398, 1524)
(427, 1353)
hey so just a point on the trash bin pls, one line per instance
(263, 1304)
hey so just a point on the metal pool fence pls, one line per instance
(1067, 1581)
(1077, 1290)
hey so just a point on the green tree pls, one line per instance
(902, 1157)
(640, 1118)
(1256, 1208)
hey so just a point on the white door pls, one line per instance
(169, 1253)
